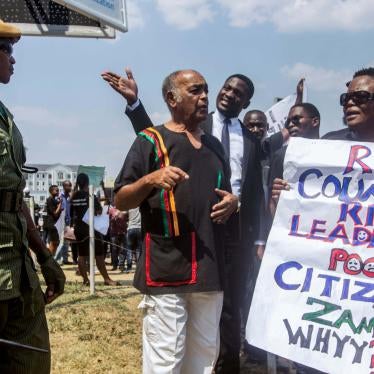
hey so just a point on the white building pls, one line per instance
(48, 174)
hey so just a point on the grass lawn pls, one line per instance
(95, 334)
(100, 333)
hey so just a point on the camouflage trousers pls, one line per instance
(23, 320)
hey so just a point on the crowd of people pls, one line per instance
(123, 241)
(199, 190)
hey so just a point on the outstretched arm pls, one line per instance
(128, 89)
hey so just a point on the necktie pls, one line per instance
(225, 138)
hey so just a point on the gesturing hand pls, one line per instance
(127, 87)
(167, 178)
(222, 211)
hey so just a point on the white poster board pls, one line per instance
(278, 113)
(101, 222)
(314, 297)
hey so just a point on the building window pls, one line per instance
(68, 176)
(60, 175)
(37, 183)
(41, 198)
(50, 176)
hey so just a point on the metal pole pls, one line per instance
(91, 214)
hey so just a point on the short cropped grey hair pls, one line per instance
(169, 85)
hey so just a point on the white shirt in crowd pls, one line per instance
(135, 220)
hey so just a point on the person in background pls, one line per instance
(54, 209)
(78, 208)
(133, 239)
(117, 234)
(65, 199)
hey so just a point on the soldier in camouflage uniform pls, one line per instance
(22, 315)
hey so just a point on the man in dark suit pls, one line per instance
(243, 150)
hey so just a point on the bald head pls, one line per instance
(186, 95)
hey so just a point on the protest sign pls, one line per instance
(101, 222)
(278, 113)
(313, 301)
(95, 173)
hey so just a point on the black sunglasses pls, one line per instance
(358, 97)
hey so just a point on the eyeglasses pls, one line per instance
(358, 97)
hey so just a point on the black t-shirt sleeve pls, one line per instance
(139, 162)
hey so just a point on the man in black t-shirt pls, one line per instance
(178, 176)
(54, 209)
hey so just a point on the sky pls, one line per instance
(68, 114)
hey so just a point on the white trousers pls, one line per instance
(181, 332)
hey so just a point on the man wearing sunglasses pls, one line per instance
(22, 315)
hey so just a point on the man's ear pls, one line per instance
(246, 105)
(171, 99)
(316, 122)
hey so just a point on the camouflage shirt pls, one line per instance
(16, 267)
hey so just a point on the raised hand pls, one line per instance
(126, 86)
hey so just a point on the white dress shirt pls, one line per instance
(236, 148)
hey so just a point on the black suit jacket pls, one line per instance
(251, 187)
